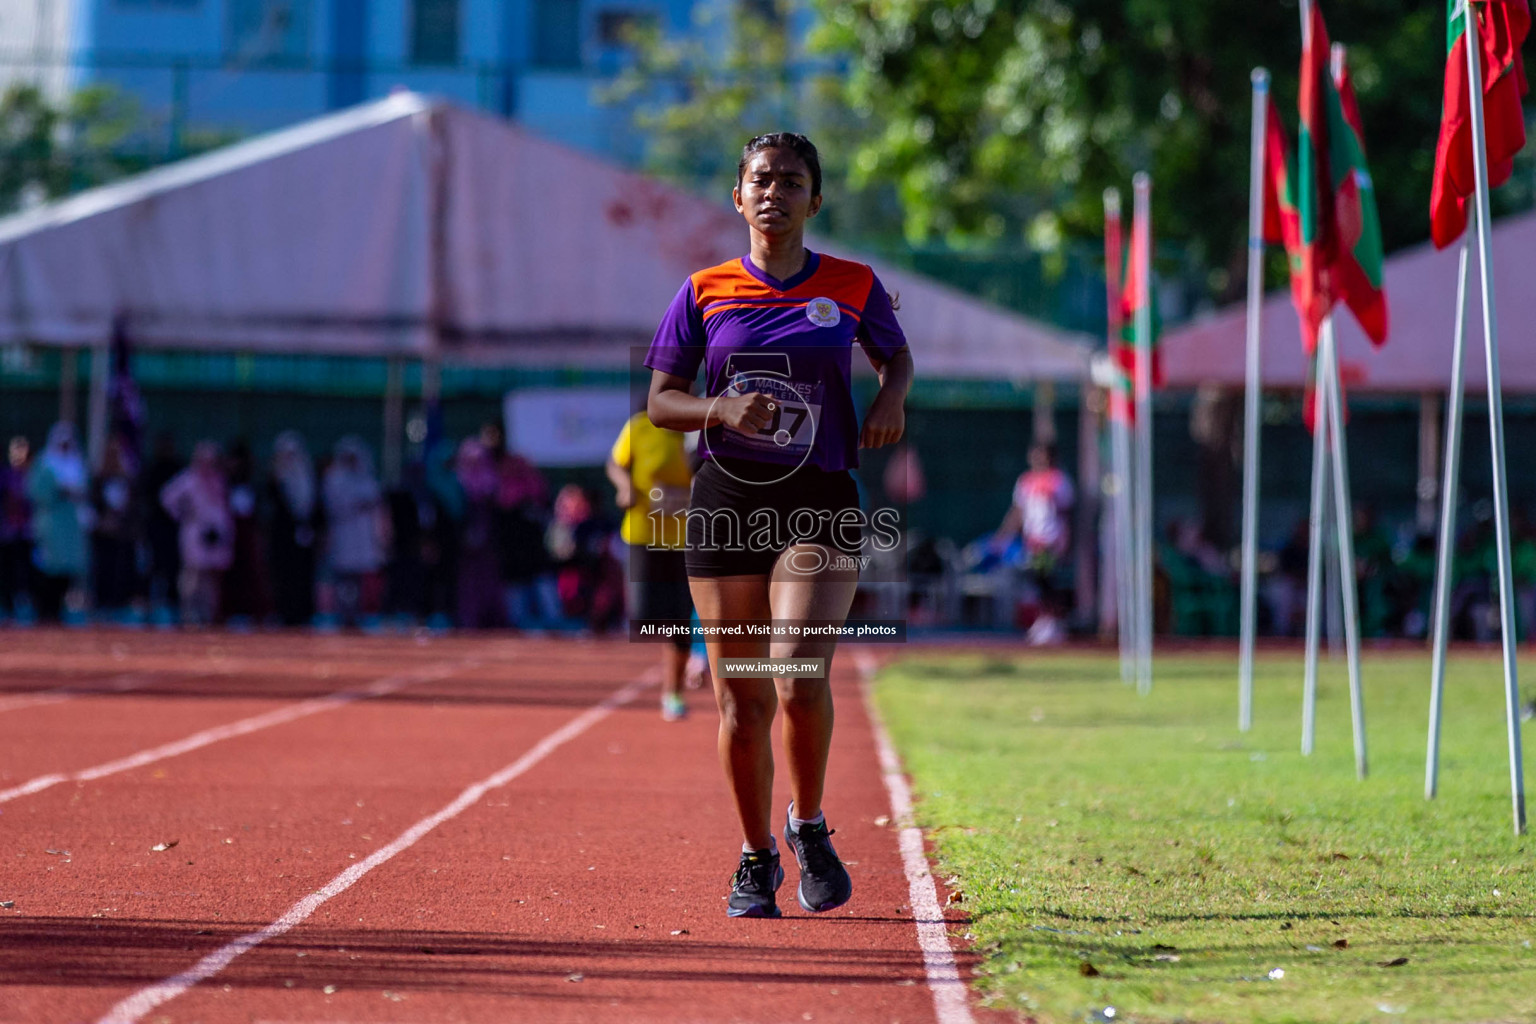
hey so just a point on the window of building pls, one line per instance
(177, 5)
(620, 28)
(269, 31)
(557, 33)
(768, 11)
(435, 31)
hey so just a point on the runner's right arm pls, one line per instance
(674, 358)
(672, 407)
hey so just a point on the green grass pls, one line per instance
(1185, 861)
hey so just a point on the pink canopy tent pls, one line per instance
(1421, 294)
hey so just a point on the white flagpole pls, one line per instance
(1125, 549)
(1315, 555)
(1142, 188)
(1120, 455)
(1333, 588)
(1260, 78)
(1495, 420)
(1319, 496)
(1442, 609)
(1344, 526)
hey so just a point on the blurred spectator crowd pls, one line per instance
(1197, 583)
(991, 584)
(470, 538)
(474, 537)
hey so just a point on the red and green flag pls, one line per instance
(1503, 26)
(1357, 270)
(1340, 250)
(1122, 407)
(1128, 350)
(1315, 184)
(1282, 219)
(1282, 216)
(1282, 226)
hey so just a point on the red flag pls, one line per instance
(1282, 221)
(1282, 226)
(1282, 218)
(1130, 301)
(1125, 359)
(1357, 273)
(1121, 407)
(1503, 26)
(1319, 244)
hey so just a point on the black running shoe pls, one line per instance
(754, 884)
(824, 882)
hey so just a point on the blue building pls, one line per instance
(216, 67)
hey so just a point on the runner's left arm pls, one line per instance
(886, 346)
(887, 418)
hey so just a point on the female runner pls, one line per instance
(774, 512)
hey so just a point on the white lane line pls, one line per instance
(134, 1007)
(951, 1002)
(114, 684)
(291, 712)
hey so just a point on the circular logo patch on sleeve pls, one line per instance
(823, 312)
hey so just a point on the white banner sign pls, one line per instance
(565, 426)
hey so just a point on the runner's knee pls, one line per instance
(746, 717)
(802, 696)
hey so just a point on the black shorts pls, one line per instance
(743, 515)
(657, 584)
(656, 587)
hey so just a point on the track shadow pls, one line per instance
(86, 952)
(553, 687)
(556, 690)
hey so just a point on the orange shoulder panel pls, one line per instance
(840, 280)
(729, 280)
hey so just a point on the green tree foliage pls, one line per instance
(1001, 113)
(984, 124)
(697, 96)
(97, 135)
(743, 71)
(48, 150)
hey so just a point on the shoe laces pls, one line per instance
(816, 844)
(754, 874)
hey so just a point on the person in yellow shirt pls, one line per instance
(650, 471)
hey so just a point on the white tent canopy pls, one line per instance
(408, 227)
(1421, 301)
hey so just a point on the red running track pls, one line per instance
(208, 880)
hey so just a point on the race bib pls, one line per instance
(796, 415)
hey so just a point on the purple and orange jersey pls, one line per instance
(791, 339)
